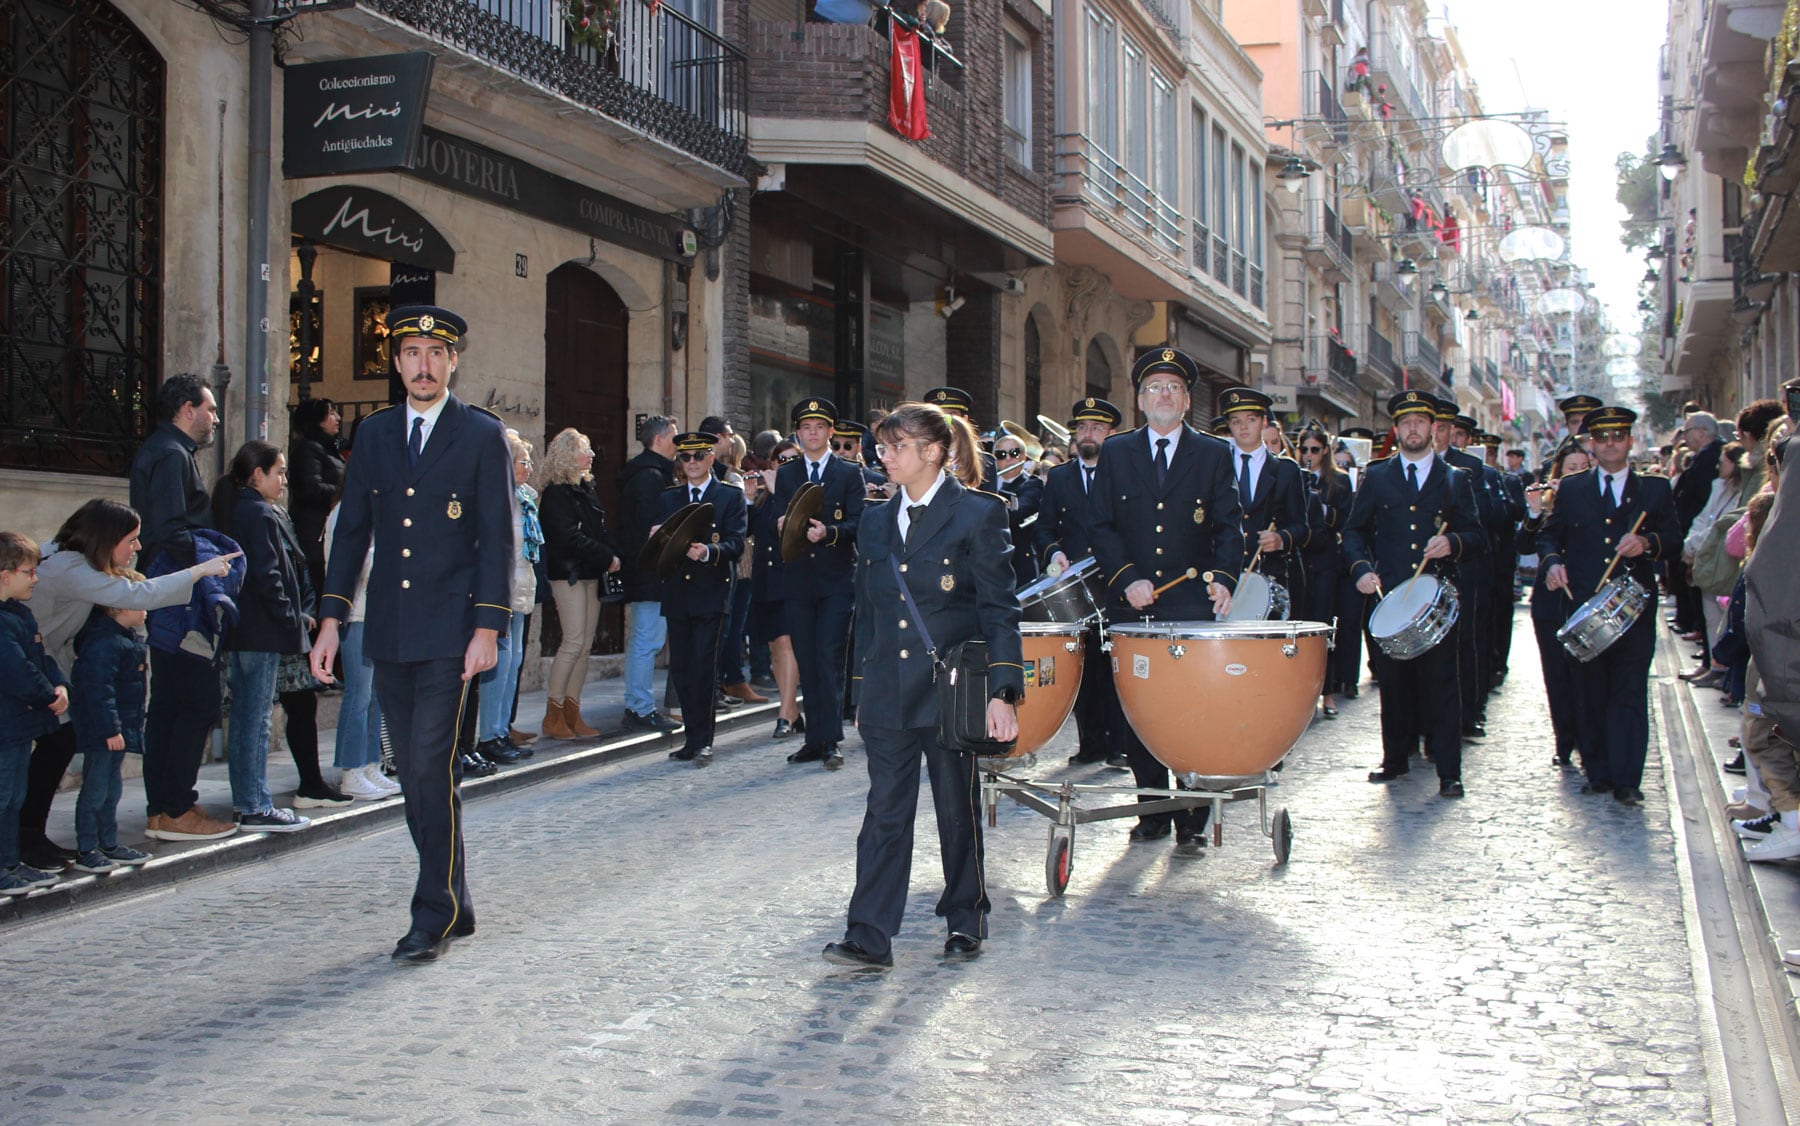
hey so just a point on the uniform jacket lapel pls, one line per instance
(936, 515)
(1187, 457)
(443, 436)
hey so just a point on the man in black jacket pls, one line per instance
(171, 500)
(1693, 488)
(641, 484)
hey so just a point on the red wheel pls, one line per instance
(1059, 864)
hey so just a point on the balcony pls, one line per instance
(1389, 67)
(1490, 375)
(1325, 126)
(1378, 358)
(1393, 290)
(662, 75)
(1420, 357)
(1330, 372)
(1109, 218)
(1328, 244)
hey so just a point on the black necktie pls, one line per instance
(1412, 477)
(914, 513)
(1244, 483)
(1162, 461)
(696, 494)
(416, 448)
(1087, 479)
(813, 468)
(1612, 503)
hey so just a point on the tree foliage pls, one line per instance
(1639, 186)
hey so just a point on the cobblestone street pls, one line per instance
(649, 950)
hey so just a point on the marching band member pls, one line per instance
(948, 543)
(1024, 495)
(1551, 608)
(956, 401)
(1328, 504)
(1165, 500)
(819, 582)
(1475, 581)
(1592, 520)
(1399, 503)
(1065, 535)
(1271, 494)
(1509, 495)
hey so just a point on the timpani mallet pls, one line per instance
(1177, 580)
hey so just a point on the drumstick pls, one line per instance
(1420, 569)
(1257, 556)
(1191, 572)
(1616, 556)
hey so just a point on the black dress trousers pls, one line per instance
(422, 703)
(693, 657)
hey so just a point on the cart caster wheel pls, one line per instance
(1281, 832)
(1059, 863)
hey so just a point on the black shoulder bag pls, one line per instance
(961, 676)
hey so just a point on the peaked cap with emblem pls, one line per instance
(1171, 360)
(1363, 432)
(696, 441)
(1578, 404)
(1491, 441)
(1608, 418)
(1444, 410)
(848, 428)
(823, 409)
(1465, 422)
(951, 399)
(1095, 410)
(1410, 402)
(1219, 428)
(1236, 400)
(426, 320)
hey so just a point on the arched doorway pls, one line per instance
(585, 336)
(81, 99)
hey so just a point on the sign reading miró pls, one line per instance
(353, 115)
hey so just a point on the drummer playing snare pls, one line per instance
(1389, 531)
(1165, 506)
(1590, 523)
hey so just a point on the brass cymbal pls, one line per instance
(664, 551)
(808, 502)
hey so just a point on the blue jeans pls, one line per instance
(97, 807)
(247, 746)
(497, 684)
(645, 632)
(359, 713)
(15, 771)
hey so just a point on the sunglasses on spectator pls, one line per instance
(689, 455)
(1005, 455)
(844, 447)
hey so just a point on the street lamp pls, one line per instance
(1472, 315)
(1293, 174)
(1406, 268)
(1439, 289)
(1650, 276)
(1670, 161)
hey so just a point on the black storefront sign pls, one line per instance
(353, 115)
(365, 221)
(476, 170)
(411, 285)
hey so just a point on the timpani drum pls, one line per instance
(1073, 596)
(1053, 665)
(1219, 700)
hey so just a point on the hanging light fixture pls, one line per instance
(1472, 315)
(1644, 306)
(1293, 174)
(1439, 289)
(1406, 268)
(1650, 276)
(1670, 161)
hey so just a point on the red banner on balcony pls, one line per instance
(906, 93)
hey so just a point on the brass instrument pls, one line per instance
(1054, 432)
(1034, 449)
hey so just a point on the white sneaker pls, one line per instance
(356, 784)
(1791, 959)
(1782, 844)
(380, 781)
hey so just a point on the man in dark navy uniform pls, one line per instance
(1574, 409)
(1592, 521)
(1271, 493)
(696, 597)
(821, 582)
(954, 400)
(431, 484)
(1391, 527)
(1064, 535)
(1024, 495)
(1165, 501)
(1474, 576)
(1503, 544)
(849, 441)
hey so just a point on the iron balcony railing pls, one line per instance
(1422, 355)
(1329, 360)
(1118, 194)
(1342, 365)
(1327, 123)
(1202, 246)
(1490, 374)
(1387, 69)
(1256, 285)
(656, 70)
(1327, 235)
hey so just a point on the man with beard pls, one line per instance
(1064, 535)
(1391, 528)
(1165, 501)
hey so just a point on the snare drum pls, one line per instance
(1222, 700)
(1053, 664)
(1073, 597)
(1414, 616)
(1258, 598)
(1604, 618)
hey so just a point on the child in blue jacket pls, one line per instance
(111, 656)
(33, 694)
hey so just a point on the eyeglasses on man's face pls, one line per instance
(1161, 388)
(1007, 454)
(689, 455)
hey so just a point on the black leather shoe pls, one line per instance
(1628, 796)
(474, 767)
(498, 750)
(800, 725)
(1562, 760)
(1122, 762)
(1350, 693)
(1191, 838)
(1735, 766)
(812, 752)
(783, 729)
(1085, 758)
(1450, 788)
(419, 947)
(852, 954)
(834, 759)
(464, 928)
(1474, 731)
(703, 757)
(685, 754)
(960, 945)
(1385, 775)
(1595, 788)
(1149, 831)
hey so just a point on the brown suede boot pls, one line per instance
(571, 711)
(555, 726)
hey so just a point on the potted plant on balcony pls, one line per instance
(590, 22)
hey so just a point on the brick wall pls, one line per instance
(734, 335)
